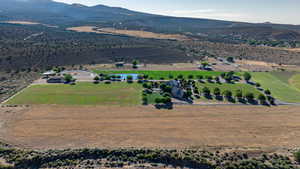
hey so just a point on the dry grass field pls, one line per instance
(135, 33)
(185, 126)
(22, 22)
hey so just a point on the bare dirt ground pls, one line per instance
(135, 33)
(186, 126)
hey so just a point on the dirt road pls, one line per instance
(185, 126)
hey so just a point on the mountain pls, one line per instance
(64, 15)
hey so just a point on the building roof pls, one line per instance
(50, 72)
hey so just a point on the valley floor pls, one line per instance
(51, 126)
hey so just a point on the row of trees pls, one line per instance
(239, 95)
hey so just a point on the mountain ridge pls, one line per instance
(68, 15)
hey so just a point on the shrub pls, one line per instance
(191, 76)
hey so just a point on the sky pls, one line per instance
(257, 11)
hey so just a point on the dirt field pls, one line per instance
(185, 126)
(135, 33)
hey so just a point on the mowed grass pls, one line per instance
(245, 88)
(156, 75)
(295, 81)
(122, 94)
(280, 90)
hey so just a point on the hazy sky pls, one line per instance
(277, 11)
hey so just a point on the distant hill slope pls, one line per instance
(65, 15)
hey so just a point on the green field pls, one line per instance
(279, 86)
(161, 74)
(295, 81)
(81, 94)
(245, 88)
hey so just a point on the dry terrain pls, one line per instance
(185, 126)
(135, 33)
(22, 22)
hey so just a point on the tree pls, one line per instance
(217, 79)
(206, 91)
(96, 79)
(247, 76)
(217, 92)
(135, 64)
(258, 85)
(262, 98)
(129, 79)
(199, 77)
(204, 64)
(209, 78)
(227, 93)
(180, 76)
(230, 59)
(297, 156)
(68, 78)
(249, 96)
(223, 75)
(267, 92)
(239, 94)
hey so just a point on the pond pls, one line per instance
(124, 76)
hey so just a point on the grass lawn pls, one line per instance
(81, 94)
(245, 88)
(151, 97)
(295, 81)
(280, 90)
(162, 74)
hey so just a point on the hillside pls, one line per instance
(65, 15)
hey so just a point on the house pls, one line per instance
(56, 80)
(49, 73)
(120, 64)
(177, 91)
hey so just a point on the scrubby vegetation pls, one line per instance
(118, 158)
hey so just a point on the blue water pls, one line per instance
(124, 76)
